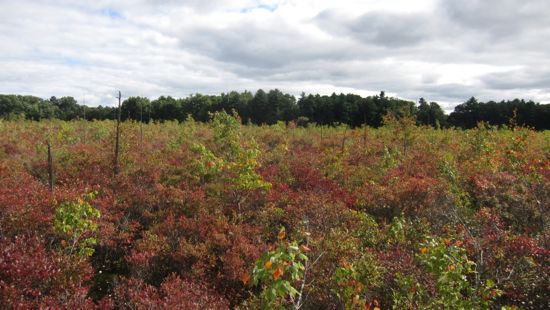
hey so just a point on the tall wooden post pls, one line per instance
(365, 129)
(50, 166)
(117, 138)
(85, 121)
(140, 124)
(342, 148)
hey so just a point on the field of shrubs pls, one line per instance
(221, 215)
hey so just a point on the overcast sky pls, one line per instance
(442, 50)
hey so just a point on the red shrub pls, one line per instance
(174, 293)
(33, 277)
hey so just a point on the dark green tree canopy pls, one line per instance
(430, 114)
(274, 105)
(518, 111)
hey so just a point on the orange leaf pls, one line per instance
(424, 250)
(281, 234)
(305, 248)
(371, 304)
(268, 264)
(344, 262)
(246, 279)
(277, 273)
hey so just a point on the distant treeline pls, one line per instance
(269, 107)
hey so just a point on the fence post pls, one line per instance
(50, 166)
(117, 138)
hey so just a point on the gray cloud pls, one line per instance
(380, 28)
(498, 18)
(521, 79)
(445, 51)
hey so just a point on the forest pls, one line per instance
(199, 211)
(273, 106)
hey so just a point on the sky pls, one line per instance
(443, 50)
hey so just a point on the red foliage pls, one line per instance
(167, 238)
(33, 277)
(174, 293)
(24, 203)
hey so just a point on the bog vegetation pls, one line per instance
(219, 215)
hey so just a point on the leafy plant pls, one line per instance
(277, 271)
(357, 282)
(448, 262)
(229, 162)
(76, 221)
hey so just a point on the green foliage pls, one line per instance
(397, 229)
(448, 263)
(449, 172)
(521, 112)
(390, 159)
(76, 222)
(357, 281)
(430, 114)
(226, 131)
(451, 266)
(277, 271)
(481, 141)
(516, 150)
(208, 165)
(272, 106)
(409, 293)
(229, 160)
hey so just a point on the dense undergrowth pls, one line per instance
(219, 215)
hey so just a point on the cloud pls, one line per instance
(442, 50)
(519, 79)
(380, 28)
(498, 19)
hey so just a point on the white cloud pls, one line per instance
(442, 50)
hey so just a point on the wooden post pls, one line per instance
(365, 129)
(50, 166)
(117, 138)
(342, 148)
(140, 124)
(85, 121)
